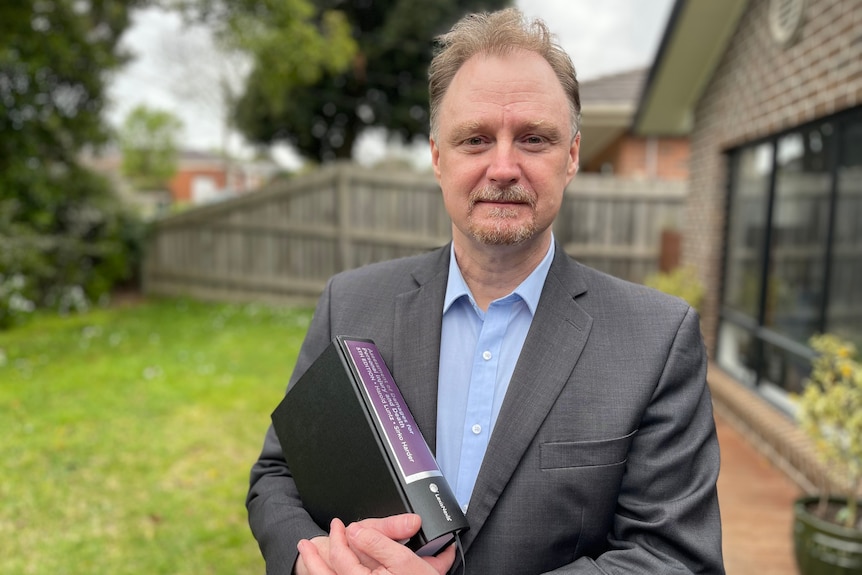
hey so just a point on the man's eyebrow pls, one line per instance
(542, 127)
(462, 131)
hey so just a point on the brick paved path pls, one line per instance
(756, 501)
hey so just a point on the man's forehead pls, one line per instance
(509, 78)
(513, 61)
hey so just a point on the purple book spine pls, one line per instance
(413, 456)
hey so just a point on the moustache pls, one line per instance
(515, 194)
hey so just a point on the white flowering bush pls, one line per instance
(14, 304)
(69, 239)
(830, 412)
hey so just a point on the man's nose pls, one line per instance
(504, 169)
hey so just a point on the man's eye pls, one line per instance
(475, 141)
(534, 140)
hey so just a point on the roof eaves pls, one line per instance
(692, 46)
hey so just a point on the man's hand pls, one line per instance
(321, 545)
(397, 528)
(371, 547)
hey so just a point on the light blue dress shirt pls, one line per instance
(478, 353)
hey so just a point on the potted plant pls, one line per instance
(828, 529)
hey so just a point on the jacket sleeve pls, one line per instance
(275, 513)
(667, 519)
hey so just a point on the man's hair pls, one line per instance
(498, 34)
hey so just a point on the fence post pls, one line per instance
(670, 250)
(344, 210)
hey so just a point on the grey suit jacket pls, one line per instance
(604, 457)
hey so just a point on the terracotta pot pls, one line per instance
(824, 548)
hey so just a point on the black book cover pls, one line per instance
(355, 451)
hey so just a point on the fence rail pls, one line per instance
(282, 243)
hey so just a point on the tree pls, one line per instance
(61, 228)
(385, 85)
(291, 40)
(148, 140)
(54, 55)
(202, 71)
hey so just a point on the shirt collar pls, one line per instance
(529, 290)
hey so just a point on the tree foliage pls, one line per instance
(148, 141)
(291, 42)
(61, 228)
(384, 86)
(53, 58)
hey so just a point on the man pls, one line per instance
(568, 409)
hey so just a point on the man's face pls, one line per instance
(504, 151)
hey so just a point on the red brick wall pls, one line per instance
(670, 158)
(673, 154)
(630, 157)
(181, 184)
(760, 88)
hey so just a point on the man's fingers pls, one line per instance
(310, 560)
(342, 556)
(443, 561)
(377, 540)
(394, 556)
(395, 527)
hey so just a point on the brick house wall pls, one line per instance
(758, 89)
(664, 158)
(182, 182)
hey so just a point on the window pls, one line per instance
(793, 260)
(798, 234)
(844, 309)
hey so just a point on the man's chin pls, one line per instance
(502, 235)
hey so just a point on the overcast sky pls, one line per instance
(173, 65)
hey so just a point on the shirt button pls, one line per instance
(476, 429)
(486, 355)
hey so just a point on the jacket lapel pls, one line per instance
(554, 343)
(416, 343)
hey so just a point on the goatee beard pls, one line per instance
(502, 230)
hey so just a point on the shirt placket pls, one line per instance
(480, 398)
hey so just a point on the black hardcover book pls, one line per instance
(355, 451)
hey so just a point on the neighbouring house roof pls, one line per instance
(191, 159)
(608, 106)
(623, 88)
(694, 41)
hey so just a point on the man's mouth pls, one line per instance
(512, 195)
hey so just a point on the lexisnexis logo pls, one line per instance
(436, 491)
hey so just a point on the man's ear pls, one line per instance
(435, 157)
(574, 158)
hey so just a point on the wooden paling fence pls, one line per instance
(282, 243)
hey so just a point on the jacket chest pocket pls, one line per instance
(598, 453)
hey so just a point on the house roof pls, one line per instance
(608, 105)
(693, 43)
(620, 88)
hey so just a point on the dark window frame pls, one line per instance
(755, 327)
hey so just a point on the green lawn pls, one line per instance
(126, 436)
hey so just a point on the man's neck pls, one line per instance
(492, 272)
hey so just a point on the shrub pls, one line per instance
(67, 241)
(14, 304)
(830, 412)
(681, 282)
